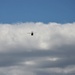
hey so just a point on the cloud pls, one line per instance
(50, 51)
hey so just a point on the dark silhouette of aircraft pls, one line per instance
(32, 33)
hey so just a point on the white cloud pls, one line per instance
(46, 36)
(50, 51)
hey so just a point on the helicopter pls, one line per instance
(31, 33)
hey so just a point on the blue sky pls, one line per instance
(60, 11)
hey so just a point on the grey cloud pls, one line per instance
(46, 73)
(50, 40)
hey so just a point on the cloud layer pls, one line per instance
(50, 51)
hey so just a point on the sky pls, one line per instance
(51, 50)
(60, 11)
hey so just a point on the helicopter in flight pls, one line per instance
(32, 33)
